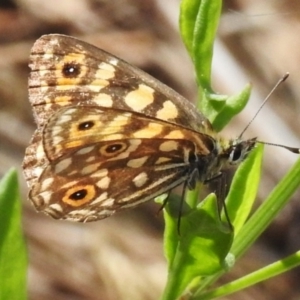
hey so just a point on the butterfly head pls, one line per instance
(238, 150)
(225, 153)
(228, 153)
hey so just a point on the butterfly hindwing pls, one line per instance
(107, 176)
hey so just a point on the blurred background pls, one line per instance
(122, 257)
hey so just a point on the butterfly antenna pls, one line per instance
(284, 77)
(291, 149)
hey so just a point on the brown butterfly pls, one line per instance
(110, 136)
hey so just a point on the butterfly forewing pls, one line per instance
(66, 71)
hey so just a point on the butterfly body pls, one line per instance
(109, 136)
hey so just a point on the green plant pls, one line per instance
(13, 254)
(206, 248)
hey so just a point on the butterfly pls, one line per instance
(109, 136)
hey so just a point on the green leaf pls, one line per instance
(13, 256)
(260, 275)
(259, 221)
(198, 25)
(199, 249)
(268, 210)
(221, 108)
(244, 188)
(187, 19)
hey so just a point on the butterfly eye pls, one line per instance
(112, 149)
(240, 150)
(86, 125)
(236, 155)
(71, 70)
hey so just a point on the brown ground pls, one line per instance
(121, 257)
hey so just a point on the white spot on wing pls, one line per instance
(89, 169)
(140, 179)
(62, 165)
(55, 207)
(137, 162)
(113, 61)
(85, 150)
(103, 100)
(103, 183)
(169, 111)
(138, 99)
(64, 118)
(168, 146)
(46, 183)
